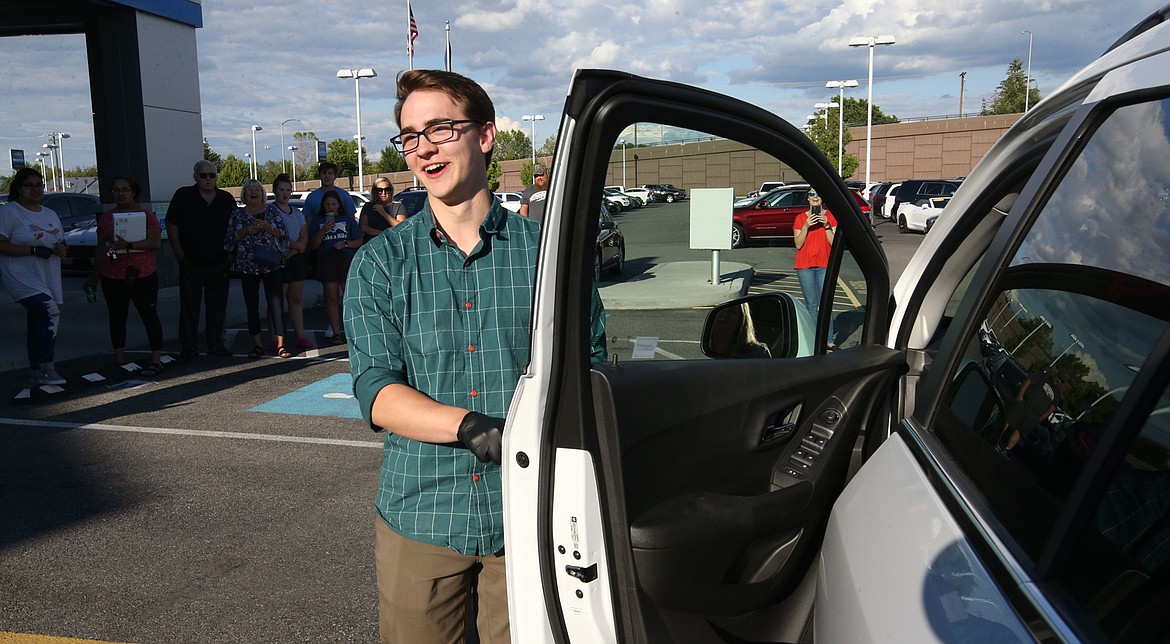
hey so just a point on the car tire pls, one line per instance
(597, 267)
(737, 235)
(902, 224)
(669, 198)
(618, 267)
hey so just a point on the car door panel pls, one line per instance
(735, 532)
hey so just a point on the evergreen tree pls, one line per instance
(211, 155)
(1008, 98)
(493, 173)
(234, 172)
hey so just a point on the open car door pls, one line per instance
(676, 492)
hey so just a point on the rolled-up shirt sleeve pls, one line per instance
(375, 334)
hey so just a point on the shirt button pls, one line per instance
(471, 348)
(475, 477)
(474, 393)
(467, 305)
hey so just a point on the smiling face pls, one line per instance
(123, 194)
(453, 171)
(254, 195)
(330, 205)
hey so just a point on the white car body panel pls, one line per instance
(892, 592)
(916, 215)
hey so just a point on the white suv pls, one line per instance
(984, 457)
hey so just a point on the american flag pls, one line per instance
(413, 31)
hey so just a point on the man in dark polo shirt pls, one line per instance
(196, 225)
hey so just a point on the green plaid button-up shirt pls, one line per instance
(456, 327)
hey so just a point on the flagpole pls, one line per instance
(448, 45)
(409, 34)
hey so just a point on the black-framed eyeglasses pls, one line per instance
(436, 133)
(34, 186)
(207, 175)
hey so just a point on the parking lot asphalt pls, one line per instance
(229, 500)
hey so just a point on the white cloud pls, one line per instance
(268, 61)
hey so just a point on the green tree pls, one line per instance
(823, 133)
(1008, 98)
(512, 144)
(390, 160)
(211, 155)
(550, 147)
(493, 174)
(343, 153)
(856, 113)
(233, 172)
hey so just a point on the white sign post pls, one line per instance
(711, 223)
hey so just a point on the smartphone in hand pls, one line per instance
(814, 215)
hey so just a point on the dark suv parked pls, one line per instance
(665, 192)
(412, 199)
(914, 189)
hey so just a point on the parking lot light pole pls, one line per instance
(1075, 343)
(255, 129)
(283, 167)
(840, 87)
(623, 144)
(871, 42)
(293, 149)
(1028, 74)
(357, 75)
(534, 118)
(1043, 323)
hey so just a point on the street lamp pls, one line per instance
(41, 157)
(534, 118)
(357, 75)
(1028, 75)
(1075, 343)
(871, 42)
(249, 157)
(623, 144)
(52, 148)
(61, 155)
(255, 129)
(1023, 309)
(293, 149)
(283, 168)
(840, 87)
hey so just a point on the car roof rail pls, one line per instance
(1151, 21)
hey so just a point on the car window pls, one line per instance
(658, 241)
(1076, 312)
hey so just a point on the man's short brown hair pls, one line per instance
(466, 93)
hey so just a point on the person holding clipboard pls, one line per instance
(125, 263)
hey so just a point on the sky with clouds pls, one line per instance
(263, 62)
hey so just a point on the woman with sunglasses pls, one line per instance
(31, 247)
(812, 234)
(127, 269)
(381, 213)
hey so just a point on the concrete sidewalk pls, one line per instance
(84, 329)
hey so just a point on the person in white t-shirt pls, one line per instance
(32, 244)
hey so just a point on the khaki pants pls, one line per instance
(424, 592)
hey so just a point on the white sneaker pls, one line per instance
(48, 376)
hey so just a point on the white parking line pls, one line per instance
(189, 432)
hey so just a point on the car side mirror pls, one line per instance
(772, 325)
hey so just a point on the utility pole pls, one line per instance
(962, 90)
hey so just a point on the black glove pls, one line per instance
(483, 435)
(44, 252)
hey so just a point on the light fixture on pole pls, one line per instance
(1023, 309)
(52, 148)
(250, 158)
(840, 87)
(1028, 74)
(41, 157)
(293, 149)
(1075, 343)
(255, 129)
(534, 118)
(357, 75)
(61, 154)
(283, 168)
(871, 42)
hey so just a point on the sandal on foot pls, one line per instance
(151, 370)
(256, 352)
(283, 353)
(338, 340)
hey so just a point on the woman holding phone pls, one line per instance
(251, 227)
(813, 233)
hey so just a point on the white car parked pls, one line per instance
(891, 490)
(510, 200)
(913, 216)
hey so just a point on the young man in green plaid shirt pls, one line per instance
(439, 310)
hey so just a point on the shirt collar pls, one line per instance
(493, 224)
